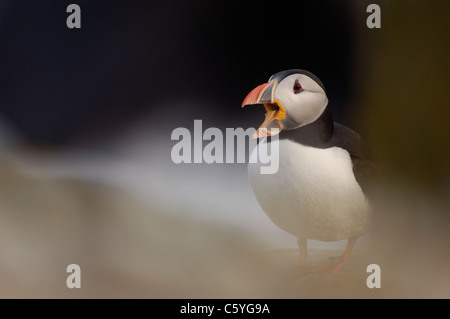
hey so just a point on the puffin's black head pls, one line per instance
(292, 98)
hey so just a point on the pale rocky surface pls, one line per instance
(126, 250)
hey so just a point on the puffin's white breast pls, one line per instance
(314, 194)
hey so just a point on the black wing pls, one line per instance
(363, 166)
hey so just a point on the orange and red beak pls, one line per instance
(264, 94)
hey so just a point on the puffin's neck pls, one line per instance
(316, 134)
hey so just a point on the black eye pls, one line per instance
(297, 87)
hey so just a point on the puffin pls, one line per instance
(320, 189)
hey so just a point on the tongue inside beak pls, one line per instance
(263, 94)
(270, 122)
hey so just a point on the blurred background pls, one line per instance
(86, 117)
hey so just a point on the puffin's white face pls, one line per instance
(302, 99)
(295, 101)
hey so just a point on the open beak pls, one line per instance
(264, 94)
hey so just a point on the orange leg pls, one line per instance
(345, 258)
(303, 267)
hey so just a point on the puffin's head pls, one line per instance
(292, 98)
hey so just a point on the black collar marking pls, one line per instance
(324, 133)
(317, 134)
